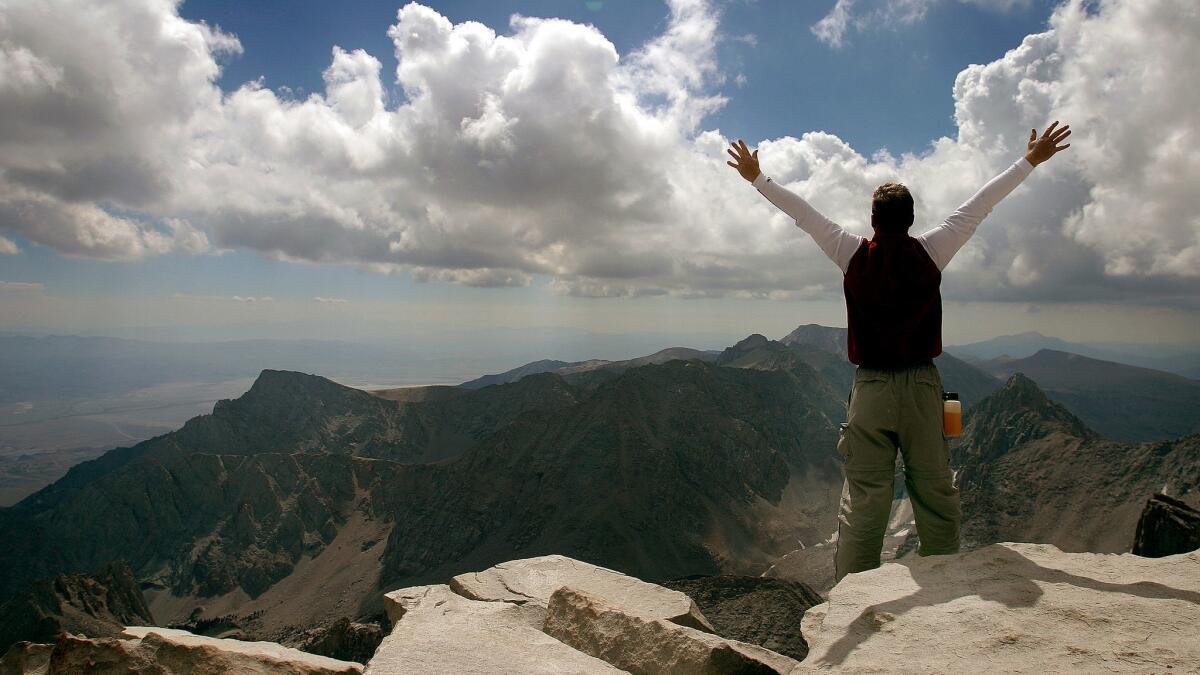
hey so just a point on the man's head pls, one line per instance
(891, 208)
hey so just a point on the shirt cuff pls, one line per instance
(1025, 163)
(760, 181)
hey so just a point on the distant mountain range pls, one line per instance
(1121, 402)
(592, 371)
(1182, 360)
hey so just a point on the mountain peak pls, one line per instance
(755, 343)
(280, 385)
(1017, 413)
(1022, 390)
(752, 341)
(827, 338)
(276, 378)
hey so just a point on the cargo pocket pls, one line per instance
(931, 378)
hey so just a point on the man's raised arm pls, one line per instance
(836, 242)
(946, 239)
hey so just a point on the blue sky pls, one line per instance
(889, 85)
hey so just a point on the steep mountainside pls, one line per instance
(667, 470)
(97, 605)
(1124, 403)
(300, 499)
(235, 498)
(439, 427)
(1029, 470)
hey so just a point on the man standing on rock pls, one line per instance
(894, 318)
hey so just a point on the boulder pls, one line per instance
(1013, 608)
(164, 651)
(1167, 526)
(26, 658)
(642, 644)
(180, 651)
(436, 630)
(531, 581)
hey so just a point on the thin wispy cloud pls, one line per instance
(21, 286)
(331, 301)
(831, 29)
(224, 298)
(849, 16)
(540, 154)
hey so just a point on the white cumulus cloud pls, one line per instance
(542, 153)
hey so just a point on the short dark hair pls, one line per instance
(892, 205)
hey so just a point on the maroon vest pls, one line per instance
(893, 305)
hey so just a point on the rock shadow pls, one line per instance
(1011, 584)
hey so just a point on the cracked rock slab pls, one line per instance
(436, 630)
(531, 581)
(1012, 607)
(640, 644)
(182, 652)
(144, 650)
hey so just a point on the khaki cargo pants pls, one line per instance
(892, 407)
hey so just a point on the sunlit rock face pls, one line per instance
(555, 614)
(1014, 608)
(1010, 606)
(140, 650)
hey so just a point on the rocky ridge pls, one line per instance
(1030, 470)
(666, 470)
(98, 605)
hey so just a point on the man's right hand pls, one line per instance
(1042, 149)
(746, 161)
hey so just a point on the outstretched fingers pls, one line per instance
(1049, 130)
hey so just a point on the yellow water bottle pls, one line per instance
(951, 414)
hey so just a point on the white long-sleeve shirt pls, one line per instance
(942, 242)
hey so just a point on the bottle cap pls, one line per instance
(950, 396)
